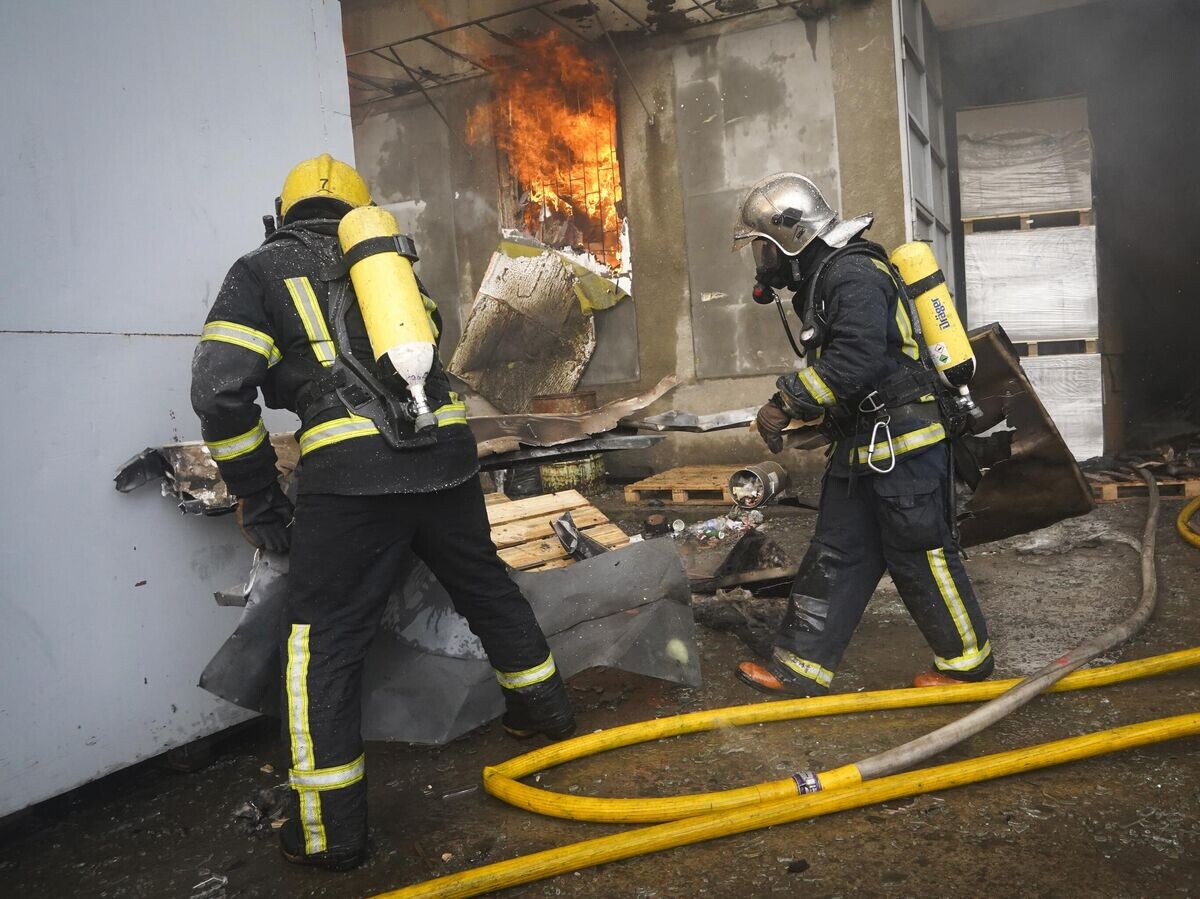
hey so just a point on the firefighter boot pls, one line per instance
(933, 678)
(541, 709)
(291, 844)
(764, 680)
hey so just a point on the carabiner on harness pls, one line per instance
(872, 405)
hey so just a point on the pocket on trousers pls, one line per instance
(910, 512)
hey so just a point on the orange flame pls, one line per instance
(554, 116)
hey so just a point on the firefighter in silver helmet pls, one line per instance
(887, 493)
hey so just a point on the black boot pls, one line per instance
(335, 858)
(542, 709)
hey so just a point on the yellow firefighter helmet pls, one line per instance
(323, 178)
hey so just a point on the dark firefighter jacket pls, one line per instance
(269, 329)
(868, 329)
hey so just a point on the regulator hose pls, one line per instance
(701, 817)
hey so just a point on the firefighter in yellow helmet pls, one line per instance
(372, 489)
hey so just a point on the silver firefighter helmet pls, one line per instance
(789, 210)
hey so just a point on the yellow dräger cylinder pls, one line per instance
(380, 260)
(949, 348)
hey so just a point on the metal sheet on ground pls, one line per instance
(427, 679)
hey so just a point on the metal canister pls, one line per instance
(585, 473)
(756, 485)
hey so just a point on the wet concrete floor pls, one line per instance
(1126, 825)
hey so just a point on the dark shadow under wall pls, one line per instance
(1139, 65)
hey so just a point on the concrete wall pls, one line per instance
(1138, 66)
(731, 102)
(133, 183)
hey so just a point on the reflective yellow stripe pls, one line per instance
(804, 667)
(454, 413)
(310, 316)
(240, 335)
(329, 778)
(336, 431)
(241, 445)
(430, 308)
(965, 662)
(944, 579)
(515, 680)
(906, 443)
(296, 684)
(908, 343)
(816, 385)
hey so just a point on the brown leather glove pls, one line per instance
(770, 422)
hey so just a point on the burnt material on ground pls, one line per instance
(1117, 826)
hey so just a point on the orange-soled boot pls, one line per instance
(755, 675)
(933, 678)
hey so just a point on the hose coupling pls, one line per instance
(806, 782)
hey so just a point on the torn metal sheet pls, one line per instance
(491, 431)
(562, 451)
(675, 420)
(427, 679)
(578, 544)
(1040, 483)
(187, 473)
(528, 332)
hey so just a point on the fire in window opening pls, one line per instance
(554, 119)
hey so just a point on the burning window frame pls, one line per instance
(592, 229)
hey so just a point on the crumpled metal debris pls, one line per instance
(530, 331)
(677, 420)
(505, 433)
(1040, 483)
(427, 679)
(187, 472)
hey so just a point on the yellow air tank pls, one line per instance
(949, 347)
(381, 270)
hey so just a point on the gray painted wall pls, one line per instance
(133, 184)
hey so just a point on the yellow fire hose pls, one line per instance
(1182, 523)
(502, 780)
(644, 840)
(699, 817)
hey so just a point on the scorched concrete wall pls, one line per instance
(731, 102)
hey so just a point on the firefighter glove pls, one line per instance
(264, 518)
(771, 421)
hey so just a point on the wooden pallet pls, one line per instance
(1057, 347)
(524, 536)
(1028, 221)
(690, 485)
(1167, 488)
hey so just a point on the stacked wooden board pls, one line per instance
(690, 485)
(1168, 488)
(524, 537)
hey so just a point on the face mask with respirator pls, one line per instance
(775, 270)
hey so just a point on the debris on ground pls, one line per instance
(1175, 465)
(264, 810)
(427, 678)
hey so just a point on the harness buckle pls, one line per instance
(872, 403)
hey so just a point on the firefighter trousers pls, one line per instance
(896, 522)
(346, 555)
